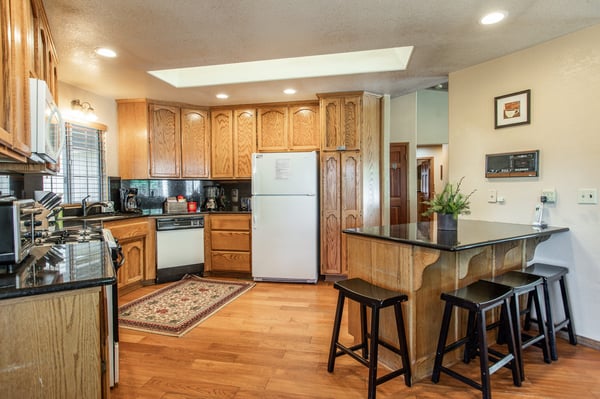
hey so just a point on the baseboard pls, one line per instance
(590, 343)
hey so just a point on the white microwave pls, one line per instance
(47, 126)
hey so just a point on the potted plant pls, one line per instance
(448, 205)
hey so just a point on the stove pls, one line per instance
(70, 236)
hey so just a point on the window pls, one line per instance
(82, 165)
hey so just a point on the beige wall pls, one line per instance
(105, 109)
(564, 78)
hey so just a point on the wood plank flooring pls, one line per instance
(273, 342)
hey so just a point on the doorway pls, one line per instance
(425, 187)
(399, 183)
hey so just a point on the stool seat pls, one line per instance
(518, 281)
(478, 298)
(359, 290)
(376, 298)
(552, 274)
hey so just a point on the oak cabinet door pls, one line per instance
(165, 141)
(195, 143)
(340, 123)
(304, 132)
(132, 270)
(272, 129)
(330, 213)
(221, 126)
(245, 141)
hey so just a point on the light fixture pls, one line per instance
(83, 110)
(105, 52)
(290, 91)
(222, 96)
(493, 18)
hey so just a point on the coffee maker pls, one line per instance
(210, 201)
(131, 203)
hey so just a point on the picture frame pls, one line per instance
(512, 109)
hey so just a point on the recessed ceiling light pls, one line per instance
(290, 91)
(222, 96)
(493, 18)
(369, 61)
(106, 52)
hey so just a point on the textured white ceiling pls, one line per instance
(159, 34)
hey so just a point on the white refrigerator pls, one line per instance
(285, 217)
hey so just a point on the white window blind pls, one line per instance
(82, 165)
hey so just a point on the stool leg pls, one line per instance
(441, 347)
(336, 332)
(549, 322)
(403, 344)
(527, 323)
(541, 327)
(374, 348)
(363, 331)
(567, 310)
(483, 355)
(512, 346)
(516, 320)
(471, 344)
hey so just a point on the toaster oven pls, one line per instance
(17, 226)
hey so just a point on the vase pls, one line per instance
(446, 221)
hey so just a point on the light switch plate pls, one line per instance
(587, 196)
(550, 194)
(492, 196)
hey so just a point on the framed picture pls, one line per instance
(512, 109)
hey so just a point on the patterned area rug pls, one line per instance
(176, 309)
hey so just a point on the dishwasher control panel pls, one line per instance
(178, 223)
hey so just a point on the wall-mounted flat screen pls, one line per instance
(512, 164)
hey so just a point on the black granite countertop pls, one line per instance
(58, 268)
(470, 234)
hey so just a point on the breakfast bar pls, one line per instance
(422, 261)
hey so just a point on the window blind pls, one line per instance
(82, 165)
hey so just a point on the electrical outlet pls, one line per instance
(587, 196)
(492, 196)
(550, 194)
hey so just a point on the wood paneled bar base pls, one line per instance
(422, 262)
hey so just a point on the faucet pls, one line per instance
(86, 208)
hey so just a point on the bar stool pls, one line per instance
(551, 274)
(478, 298)
(523, 283)
(376, 298)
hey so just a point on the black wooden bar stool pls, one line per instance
(376, 298)
(551, 274)
(478, 298)
(523, 283)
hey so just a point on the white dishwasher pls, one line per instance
(179, 247)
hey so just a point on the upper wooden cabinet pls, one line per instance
(158, 140)
(288, 128)
(341, 122)
(233, 138)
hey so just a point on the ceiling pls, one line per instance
(158, 34)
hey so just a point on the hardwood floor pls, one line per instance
(273, 342)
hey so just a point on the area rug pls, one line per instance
(176, 309)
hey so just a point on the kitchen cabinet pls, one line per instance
(227, 243)
(162, 140)
(350, 179)
(341, 122)
(340, 205)
(137, 237)
(233, 140)
(54, 345)
(292, 127)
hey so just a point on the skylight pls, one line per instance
(369, 61)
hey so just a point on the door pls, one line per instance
(398, 183)
(424, 186)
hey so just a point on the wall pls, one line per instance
(564, 78)
(106, 110)
(432, 117)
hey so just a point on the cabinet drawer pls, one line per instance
(231, 261)
(230, 222)
(230, 240)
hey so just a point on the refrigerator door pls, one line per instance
(285, 238)
(290, 173)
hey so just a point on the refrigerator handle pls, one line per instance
(255, 215)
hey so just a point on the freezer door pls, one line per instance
(290, 173)
(285, 238)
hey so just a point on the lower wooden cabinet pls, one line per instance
(227, 243)
(53, 345)
(138, 238)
